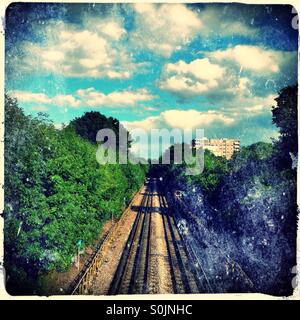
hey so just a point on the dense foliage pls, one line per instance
(214, 169)
(240, 216)
(55, 194)
(90, 123)
(285, 115)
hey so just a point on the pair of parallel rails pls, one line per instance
(133, 272)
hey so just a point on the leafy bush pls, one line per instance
(214, 169)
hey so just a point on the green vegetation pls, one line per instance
(55, 194)
(255, 152)
(214, 169)
(88, 125)
(285, 115)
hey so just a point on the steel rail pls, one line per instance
(142, 255)
(125, 257)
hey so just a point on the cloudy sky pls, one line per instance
(216, 67)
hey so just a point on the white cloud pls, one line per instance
(66, 100)
(253, 58)
(193, 118)
(94, 50)
(112, 29)
(93, 98)
(236, 79)
(87, 98)
(60, 100)
(181, 119)
(25, 96)
(217, 22)
(118, 75)
(164, 28)
(195, 77)
(146, 124)
(102, 47)
(52, 55)
(201, 69)
(256, 105)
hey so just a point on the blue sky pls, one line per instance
(214, 67)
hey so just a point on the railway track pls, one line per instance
(154, 243)
(132, 271)
(132, 274)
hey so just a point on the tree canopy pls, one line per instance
(91, 122)
(285, 117)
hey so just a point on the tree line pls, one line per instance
(56, 193)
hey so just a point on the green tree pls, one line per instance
(214, 170)
(90, 123)
(285, 117)
(254, 153)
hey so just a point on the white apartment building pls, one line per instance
(219, 147)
